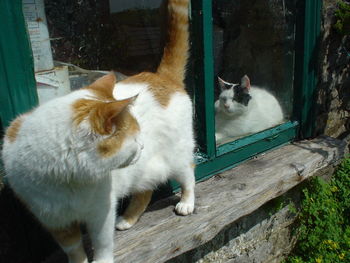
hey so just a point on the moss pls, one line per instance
(342, 14)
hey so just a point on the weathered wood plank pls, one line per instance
(161, 235)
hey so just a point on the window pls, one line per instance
(255, 39)
(126, 36)
(273, 42)
(110, 34)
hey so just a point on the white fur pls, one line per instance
(57, 171)
(122, 224)
(168, 144)
(75, 246)
(183, 10)
(123, 91)
(185, 208)
(233, 119)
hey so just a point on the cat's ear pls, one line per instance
(224, 84)
(245, 83)
(106, 114)
(107, 81)
(123, 91)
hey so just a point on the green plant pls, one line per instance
(342, 15)
(277, 204)
(323, 223)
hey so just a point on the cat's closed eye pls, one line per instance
(225, 99)
(140, 143)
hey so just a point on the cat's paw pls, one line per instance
(184, 209)
(122, 224)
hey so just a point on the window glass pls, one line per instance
(107, 34)
(89, 38)
(254, 65)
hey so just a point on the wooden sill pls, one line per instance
(161, 235)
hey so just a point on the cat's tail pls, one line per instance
(174, 60)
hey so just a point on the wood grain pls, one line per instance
(226, 197)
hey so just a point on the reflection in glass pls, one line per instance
(255, 39)
(90, 38)
(124, 35)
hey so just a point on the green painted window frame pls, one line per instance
(17, 83)
(18, 88)
(211, 159)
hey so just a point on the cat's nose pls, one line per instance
(226, 106)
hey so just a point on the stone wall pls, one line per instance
(263, 236)
(333, 98)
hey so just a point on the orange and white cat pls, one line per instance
(71, 159)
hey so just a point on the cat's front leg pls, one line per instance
(137, 206)
(186, 179)
(100, 226)
(69, 238)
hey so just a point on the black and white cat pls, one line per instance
(243, 109)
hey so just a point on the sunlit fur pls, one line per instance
(233, 119)
(163, 110)
(59, 158)
(12, 131)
